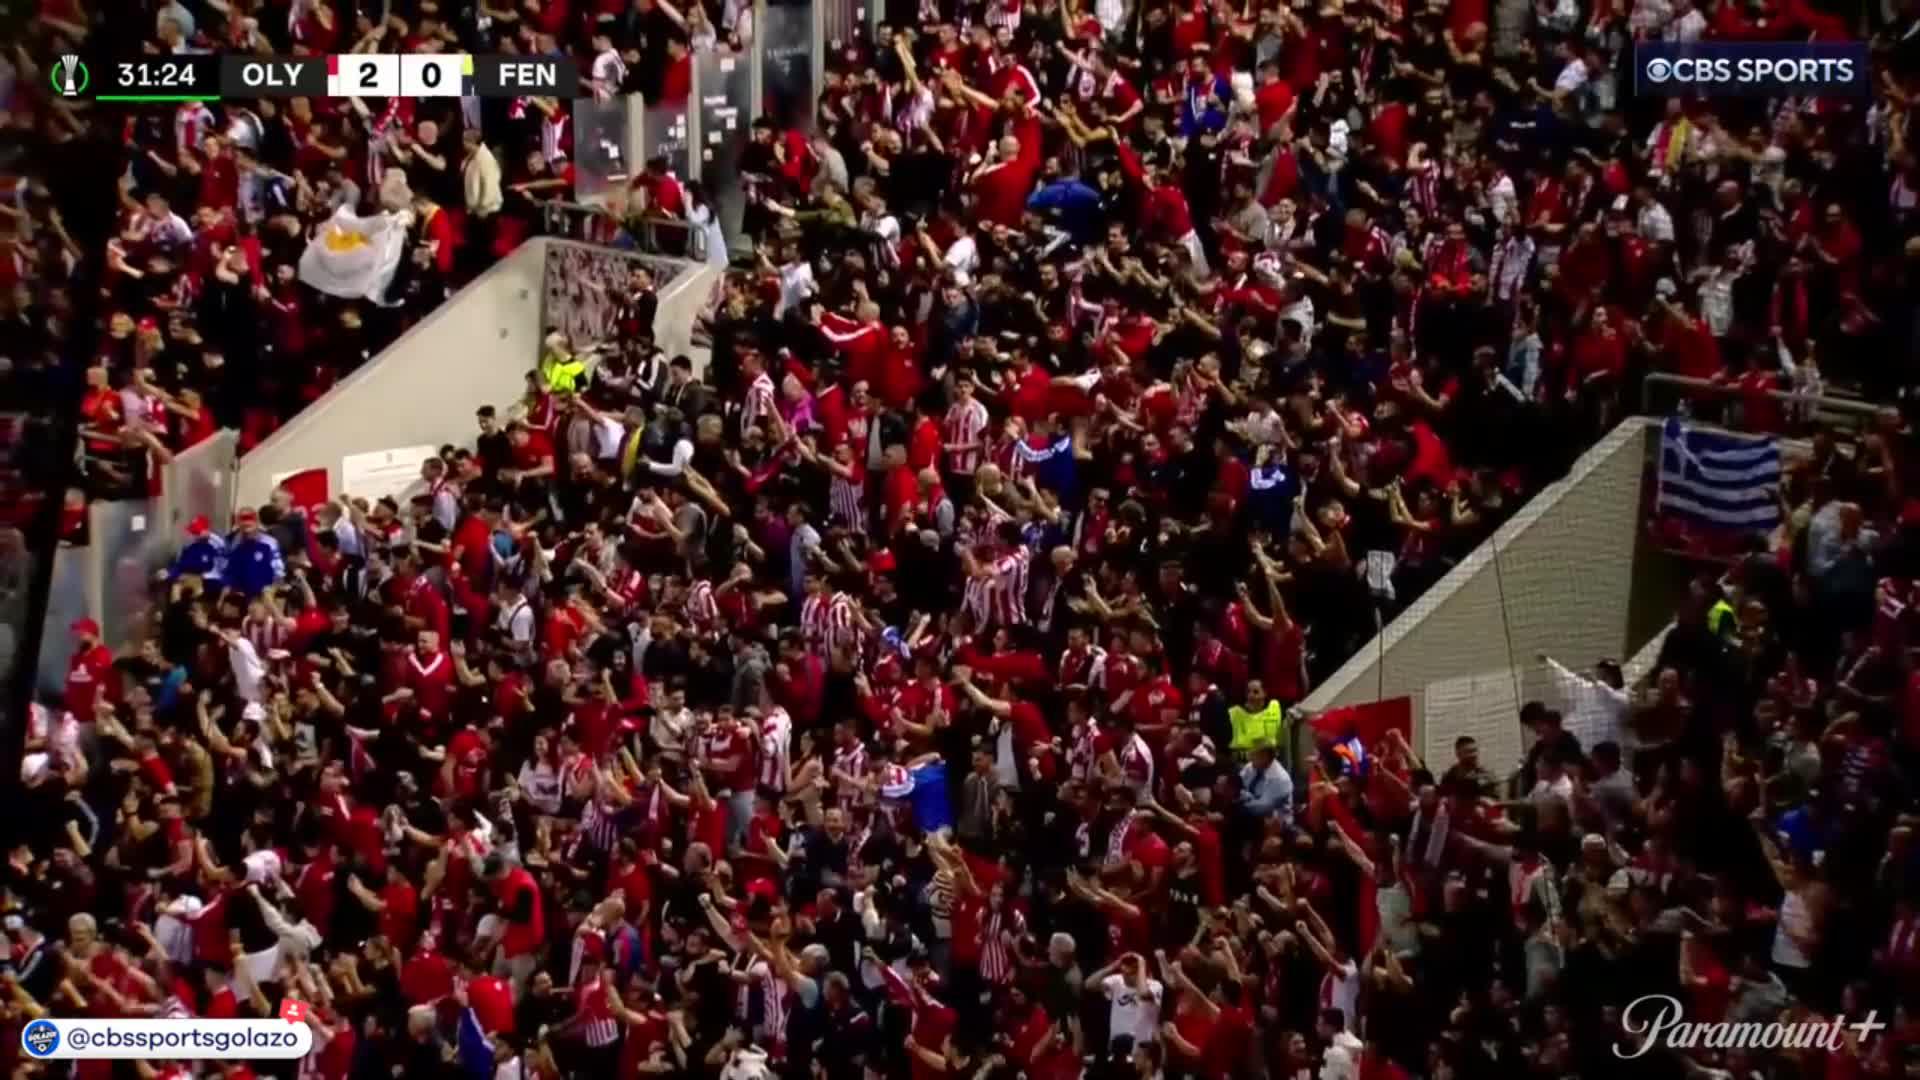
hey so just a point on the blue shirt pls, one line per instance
(1053, 467)
(931, 807)
(1078, 206)
(254, 565)
(1200, 113)
(204, 556)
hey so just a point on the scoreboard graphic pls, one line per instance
(377, 75)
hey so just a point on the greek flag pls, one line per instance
(1719, 478)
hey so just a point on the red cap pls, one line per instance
(148, 324)
(199, 526)
(247, 516)
(85, 628)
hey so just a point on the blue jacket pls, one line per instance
(254, 565)
(1078, 206)
(204, 556)
(475, 1048)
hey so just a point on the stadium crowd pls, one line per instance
(908, 690)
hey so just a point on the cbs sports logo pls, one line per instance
(1752, 69)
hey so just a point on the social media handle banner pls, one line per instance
(183, 1039)
(1752, 69)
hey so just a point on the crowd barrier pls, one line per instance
(702, 137)
(646, 235)
(1665, 394)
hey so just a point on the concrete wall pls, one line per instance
(474, 350)
(1557, 578)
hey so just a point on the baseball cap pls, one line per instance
(199, 526)
(85, 627)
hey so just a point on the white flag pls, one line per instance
(353, 256)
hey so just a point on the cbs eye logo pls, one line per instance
(1659, 70)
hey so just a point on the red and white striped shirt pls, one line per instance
(843, 624)
(266, 634)
(776, 736)
(847, 498)
(852, 761)
(598, 828)
(1083, 667)
(1002, 13)
(703, 609)
(594, 941)
(759, 402)
(1424, 187)
(1000, 598)
(555, 139)
(574, 773)
(1084, 752)
(815, 619)
(996, 954)
(965, 428)
(596, 1024)
(192, 123)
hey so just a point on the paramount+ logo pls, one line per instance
(1752, 69)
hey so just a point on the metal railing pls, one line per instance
(647, 234)
(1663, 394)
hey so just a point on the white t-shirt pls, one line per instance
(796, 285)
(962, 257)
(1341, 990)
(248, 668)
(1548, 791)
(747, 1063)
(1687, 27)
(1132, 1012)
(541, 783)
(517, 622)
(1572, 77)
(608, 72)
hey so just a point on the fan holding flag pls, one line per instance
(354, 257)
(1368, 744)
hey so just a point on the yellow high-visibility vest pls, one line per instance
(1255, 729)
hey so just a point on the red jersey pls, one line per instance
(431, 681)
(90, 675)
(1000, 192)
(519, 895)
(491, 999)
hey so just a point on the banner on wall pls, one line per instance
(584, 284)
(1485, 706)
(1369, 723)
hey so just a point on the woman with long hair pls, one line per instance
(705, 216)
